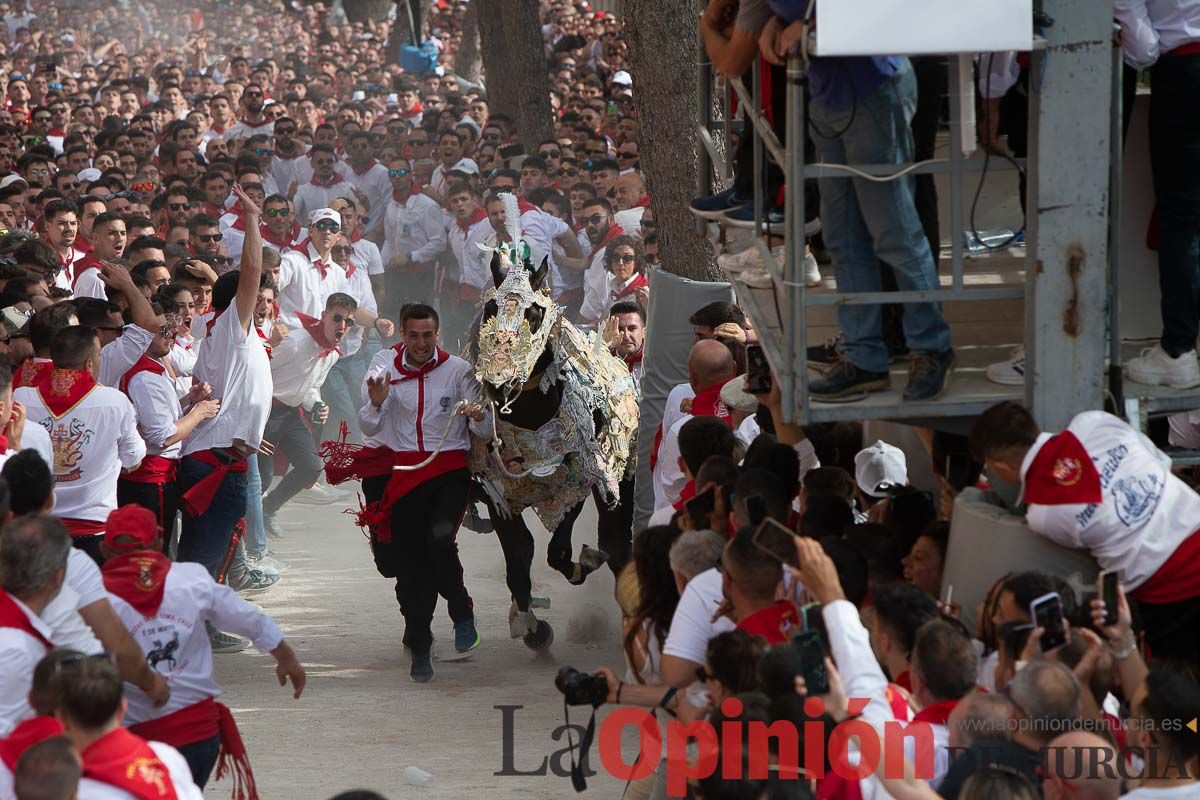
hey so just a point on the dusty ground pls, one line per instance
(361, 720)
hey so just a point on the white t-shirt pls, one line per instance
(19, 654)
(302, 289)
(233, 362)
(91, 443)
(358, 285)
(119, 355)
(692, 625)
(82, 587)
(299, 367)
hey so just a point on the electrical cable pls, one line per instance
(987, 156)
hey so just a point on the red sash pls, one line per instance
(144, 364)
(378, 515)
(196, 500)
(83, 265)
(707, 403)
(138, 578)
(188, 725)
(63, 389)
(27, 733)
(265, 340)
(1178, 579)
(126, 761)
(32, 371)
(12, 616)
(82, 527)
(638, 282)
(349, 463)
(776, 623)
(154, 469)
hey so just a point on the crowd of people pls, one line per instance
(230, 237)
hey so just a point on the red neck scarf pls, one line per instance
(32, 371)
(613, 231)
(368, 168)
(321, 264)
(265, 340)
(316, 330)
(936, 714)
(524, 205)
(12, 616)
(633, 359)
(121, 759)
(707, 403)
(239, 216)
(213, 211)
(416, 110)
(281, 243)
(776, 623)
(643, 202)
(208, 326)
(217, 129)
(138, 578)
(407, 374)
(639, 280)
(401, 197)
(143, 364)
(1062, 472)
(465, 224)
(27, 733)
(335, 179)
(63, 389)
(356, 237)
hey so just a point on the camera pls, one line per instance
(581, 688)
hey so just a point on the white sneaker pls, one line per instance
(1156, 368)
(1011, 372)
(318, 495)
(742, 260)
(812, 271)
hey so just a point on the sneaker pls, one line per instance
(271, 527)
(319, 495)
(252, 582)
(268, 560)
(929, 374)
(466, 639)
(845, 379)
(713, 206)
(826, 355)
(224, 643)
(265, 567)
(812, 270)
(1009, 373)
(740, 217)
(743, 260)
(1155, 367)
(421, 670)
(473, 522)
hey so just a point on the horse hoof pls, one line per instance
(541, 638)
(592, 558)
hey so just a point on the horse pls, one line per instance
(565, 413)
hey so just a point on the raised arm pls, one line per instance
(251, 266)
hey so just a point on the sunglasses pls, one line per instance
(277, 212)
(397, 173)
(285, 131)
(69, 186)
(263, 151)
(550, 154)
(167, 330)
(179, 206)
(596, 219)
(42, 118)
(210, 237)
(627, 155)
(571, 172)
(342, 251)
(626, 258)
(328, 226)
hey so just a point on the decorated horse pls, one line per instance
(565, 412)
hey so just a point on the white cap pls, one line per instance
(734, 395)
(622, 78)
(358, 96)
(89, 174)
(393, 99)
(466, 165)
(324, 213)
(880, 467)
(9, 180)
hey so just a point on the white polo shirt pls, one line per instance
(299, 367)
(302, 288)
(19, 654)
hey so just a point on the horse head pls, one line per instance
(518, 322)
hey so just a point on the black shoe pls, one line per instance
(897, 351)
(845, 379)
(823, 356)
(422, 668)
(712, 207)
(928, 375)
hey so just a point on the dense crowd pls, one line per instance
(240, 243)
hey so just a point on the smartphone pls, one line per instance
(776, 541)
(700, 507)
(1108, 593)
(758, 371)
(512, 151)
(1047, 613)
(812, 661)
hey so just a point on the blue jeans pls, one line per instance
(865, 222)
(256, 535)
(205, 538)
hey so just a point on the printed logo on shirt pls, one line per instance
(1135, 498)
(163, 652)
(148, 771)
(1067, 471)
(159, 637)
(67, 439)
(444, 404)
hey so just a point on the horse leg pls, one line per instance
(517, 543)
(615, 528)
(558, 552)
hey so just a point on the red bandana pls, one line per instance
(633, 359)
(321, 264)
(406, 373)
(265, 339)
(613, 231)
(1062, 473)
(208, 326)
(317, 331)
(143, 364)
(282, 244)
(138, 578)
(638, 282)
(416, 109)
(213, 211)
(63, 389)
(776, 623)
(239, 216)
(707, 403)
(524, 205)
(90, 261)
(121, 759)
(27, 733)
(643, 202)
(465, 224)
(32, 371)
(11, 616)
(936, 714)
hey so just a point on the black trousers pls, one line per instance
(423, 555)
(287, 431)
(1173, 629)
(1175, 164)
(161, 498)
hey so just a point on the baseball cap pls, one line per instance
(466, 166)
(736, 397)
(622, 78)
(880, 467)
(324, 213)
(89, 174)
(393, 99)
(358, 96)
(9, 180)
(134, 526)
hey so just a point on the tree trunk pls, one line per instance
(663, 41)
(515, 68)
(468, 63)
(364, 10)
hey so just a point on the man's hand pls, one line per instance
(768, 41)
(207, 409)
(614, 683)
(611, 334)
(816, 571)
(359, 195)
(291, 190)
(266, 448)
(1119, 635)
(789, 38)
(159, 692)
(398, 261)
(377, 390)
(287, 667)
(279, 332)
(836, 702)
(730, 330)
(385, 327)
(16, 426)
(320, 417)
(642, 294)
(1033, 645)
(472, 410)
(248, 205)
(199, 391)
(116, 276)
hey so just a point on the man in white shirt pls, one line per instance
(253, 121)
(289, 164)
(450, 153)
(230, 359)
(366, 175)
(33, 566)
(308, 275)
(108, 244)
(299, 366)
(164, 606)
(324, 186)
(418, 401)
(541, 230)
(469, 229)
(280, 231)
(93, 432)
(60, 225)
(414, 236)
(597, 286)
